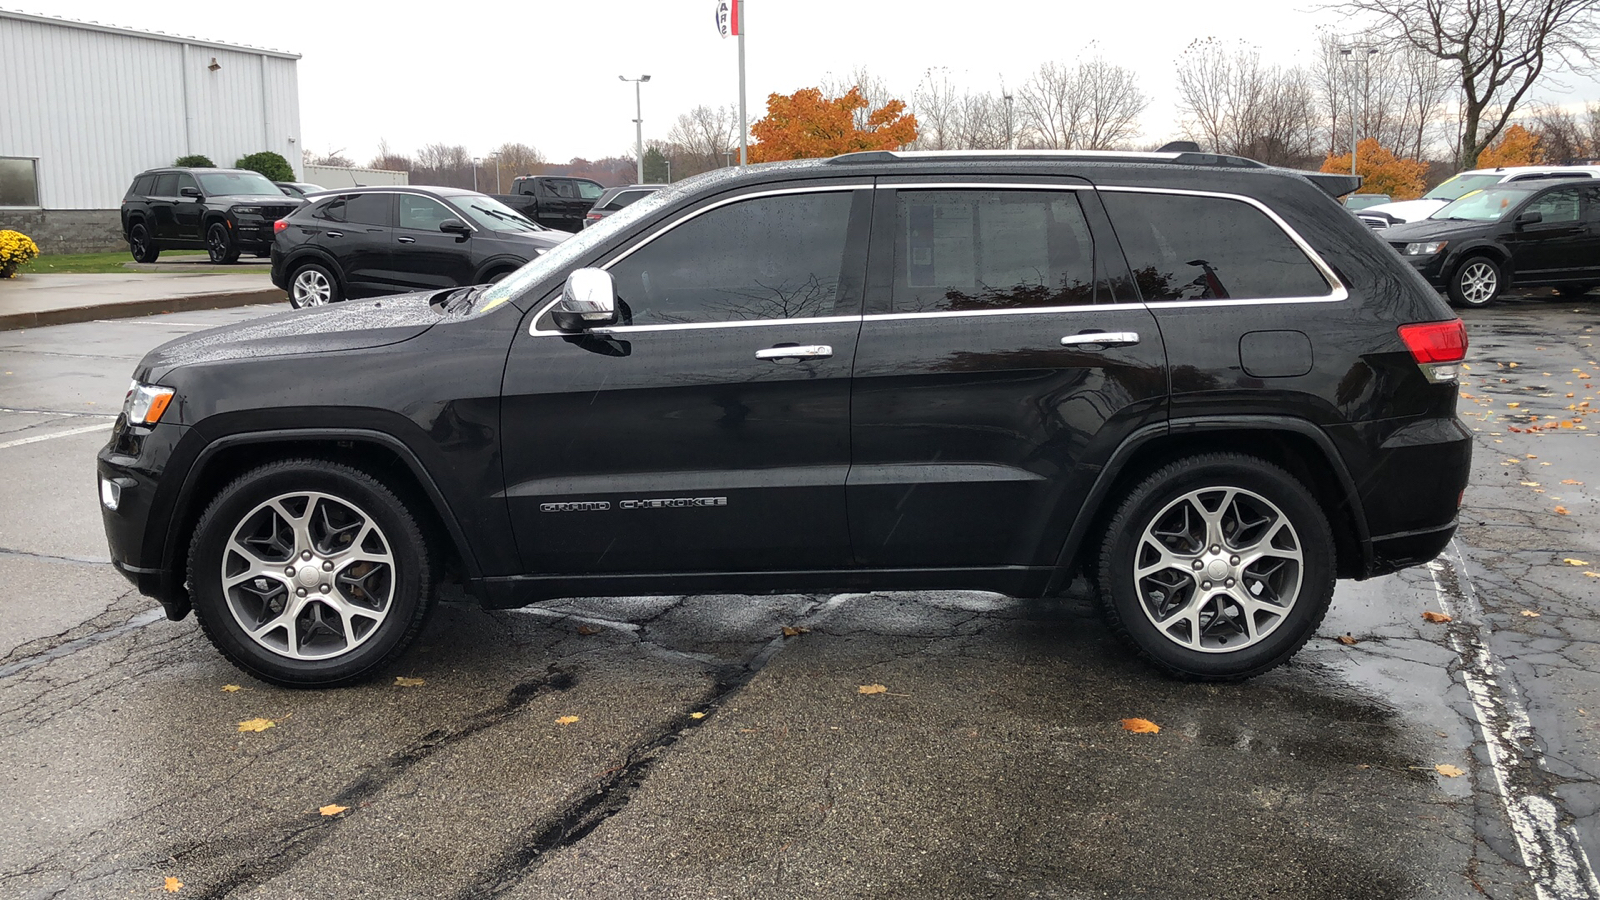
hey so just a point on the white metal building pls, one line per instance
(84, 107)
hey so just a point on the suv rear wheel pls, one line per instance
(219, 244)
(1477, 282)
(309, 573)
(313, 285)
(1217, 567)
(140, 244)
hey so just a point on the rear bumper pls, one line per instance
(1393, 552)
(1410, 477)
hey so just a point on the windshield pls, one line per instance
(1461, 185)
(1483, 206)
(568, 251)
(494, 215)
(244, 184)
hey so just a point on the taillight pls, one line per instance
(1437, 347)
(593, 216)
(279, 225)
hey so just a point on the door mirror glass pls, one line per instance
(455, 226)
(190, 192)
(1531, 217)
(589, 300)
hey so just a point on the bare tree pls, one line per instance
(1497, 49)
(331, 158)
(387, 158)
(446, 165)
(940, 108)
(512, 159)
(1233, 103)
(1113, 104)
(702, 139)
(1094, 105)
(1399, 95)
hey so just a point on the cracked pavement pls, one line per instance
(712, 755)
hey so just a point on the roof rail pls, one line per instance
(1123, 156)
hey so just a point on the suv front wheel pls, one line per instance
(1477, 282)
(1217, 567)
(309, 573)
(220, 245)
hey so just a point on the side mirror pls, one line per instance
(1531, 217)
(454, 226)
(189, 191)
(589, 300)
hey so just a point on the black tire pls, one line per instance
(141, 245)
(363, 601)
(495, 276)
(313, 284)
(1477, 282)
(1193, 647)
(220, 245)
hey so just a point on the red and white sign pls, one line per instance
(728, 17)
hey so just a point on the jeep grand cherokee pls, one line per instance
(1194, 379)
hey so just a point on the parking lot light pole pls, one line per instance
(638, 123)
(1349, 53)
(476, 161)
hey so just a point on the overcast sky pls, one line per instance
(543, 73)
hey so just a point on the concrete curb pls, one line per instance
(132, 308)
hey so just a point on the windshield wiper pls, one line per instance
(513, 218)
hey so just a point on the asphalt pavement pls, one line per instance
(710, 747)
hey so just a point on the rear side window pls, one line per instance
(767, 258)
(142, 186)
(588, 190)
(974, 250)
(368, 209)
(1181, 247)
(166, 185)
(623, 199)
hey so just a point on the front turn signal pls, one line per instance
(145, 403)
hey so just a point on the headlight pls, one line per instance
(1427, 248)
(247, 210)
(145, 403)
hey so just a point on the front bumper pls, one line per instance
(1429, 267)
(137, 531)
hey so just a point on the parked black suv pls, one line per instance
(370, 241)
(222, 211)
(1528, 233)
(1197, 380)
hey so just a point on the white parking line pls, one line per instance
(1551, 851)
(47, 437)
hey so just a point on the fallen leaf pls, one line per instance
(1448, 770)
(1141, 726)
(1530, 456)
(332, 809)
(1593, 574)
(1529, 483)
(1346, 640)
(230, 688)
(1512, 405)
(1530, 614)
(1513, 365)
(1562, 511)
(402, 681)
(566, 720)
(587, 630)
(792, 630)
(1570, 481)
(1432, 616)
(172, 885)
(872, 689)
(256, 724)
(1575, 562)
(697, 715)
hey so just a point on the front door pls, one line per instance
(187, 211)
(424, 257)
(994, 358)
(163, 203)
(1554, 247)
(709, 431)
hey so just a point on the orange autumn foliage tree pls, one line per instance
(1517, 147)
(1382, 172)
(807, 125)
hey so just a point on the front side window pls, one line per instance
(422, 213)
(969, 250)
(559, 187)
(765, 258)
(1556, 206)
(1183, 247)
(185, 180)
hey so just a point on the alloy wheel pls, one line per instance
(1478, 282)
(1218, 569)
(217, 243)
(308, 575)
(138, 239)
(312, 288)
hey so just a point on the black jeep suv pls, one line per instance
(222, 211)
(1196, 380)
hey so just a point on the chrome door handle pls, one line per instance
(808, 351)
(1103, 338)
(408, 240)
(334, 233)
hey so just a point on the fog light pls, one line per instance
(110, 494)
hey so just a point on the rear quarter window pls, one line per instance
(1182, 247)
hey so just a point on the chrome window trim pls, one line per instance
(1021, 311)
(533, 326)
(1336, 293)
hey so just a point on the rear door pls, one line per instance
(1559, 245)
(996, 369)
(710, 431)
(357, 230)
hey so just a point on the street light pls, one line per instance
(475, 161)
(1011, 140)
(1349, 54)
(669, 171)
(638, 122)
(496, 158)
